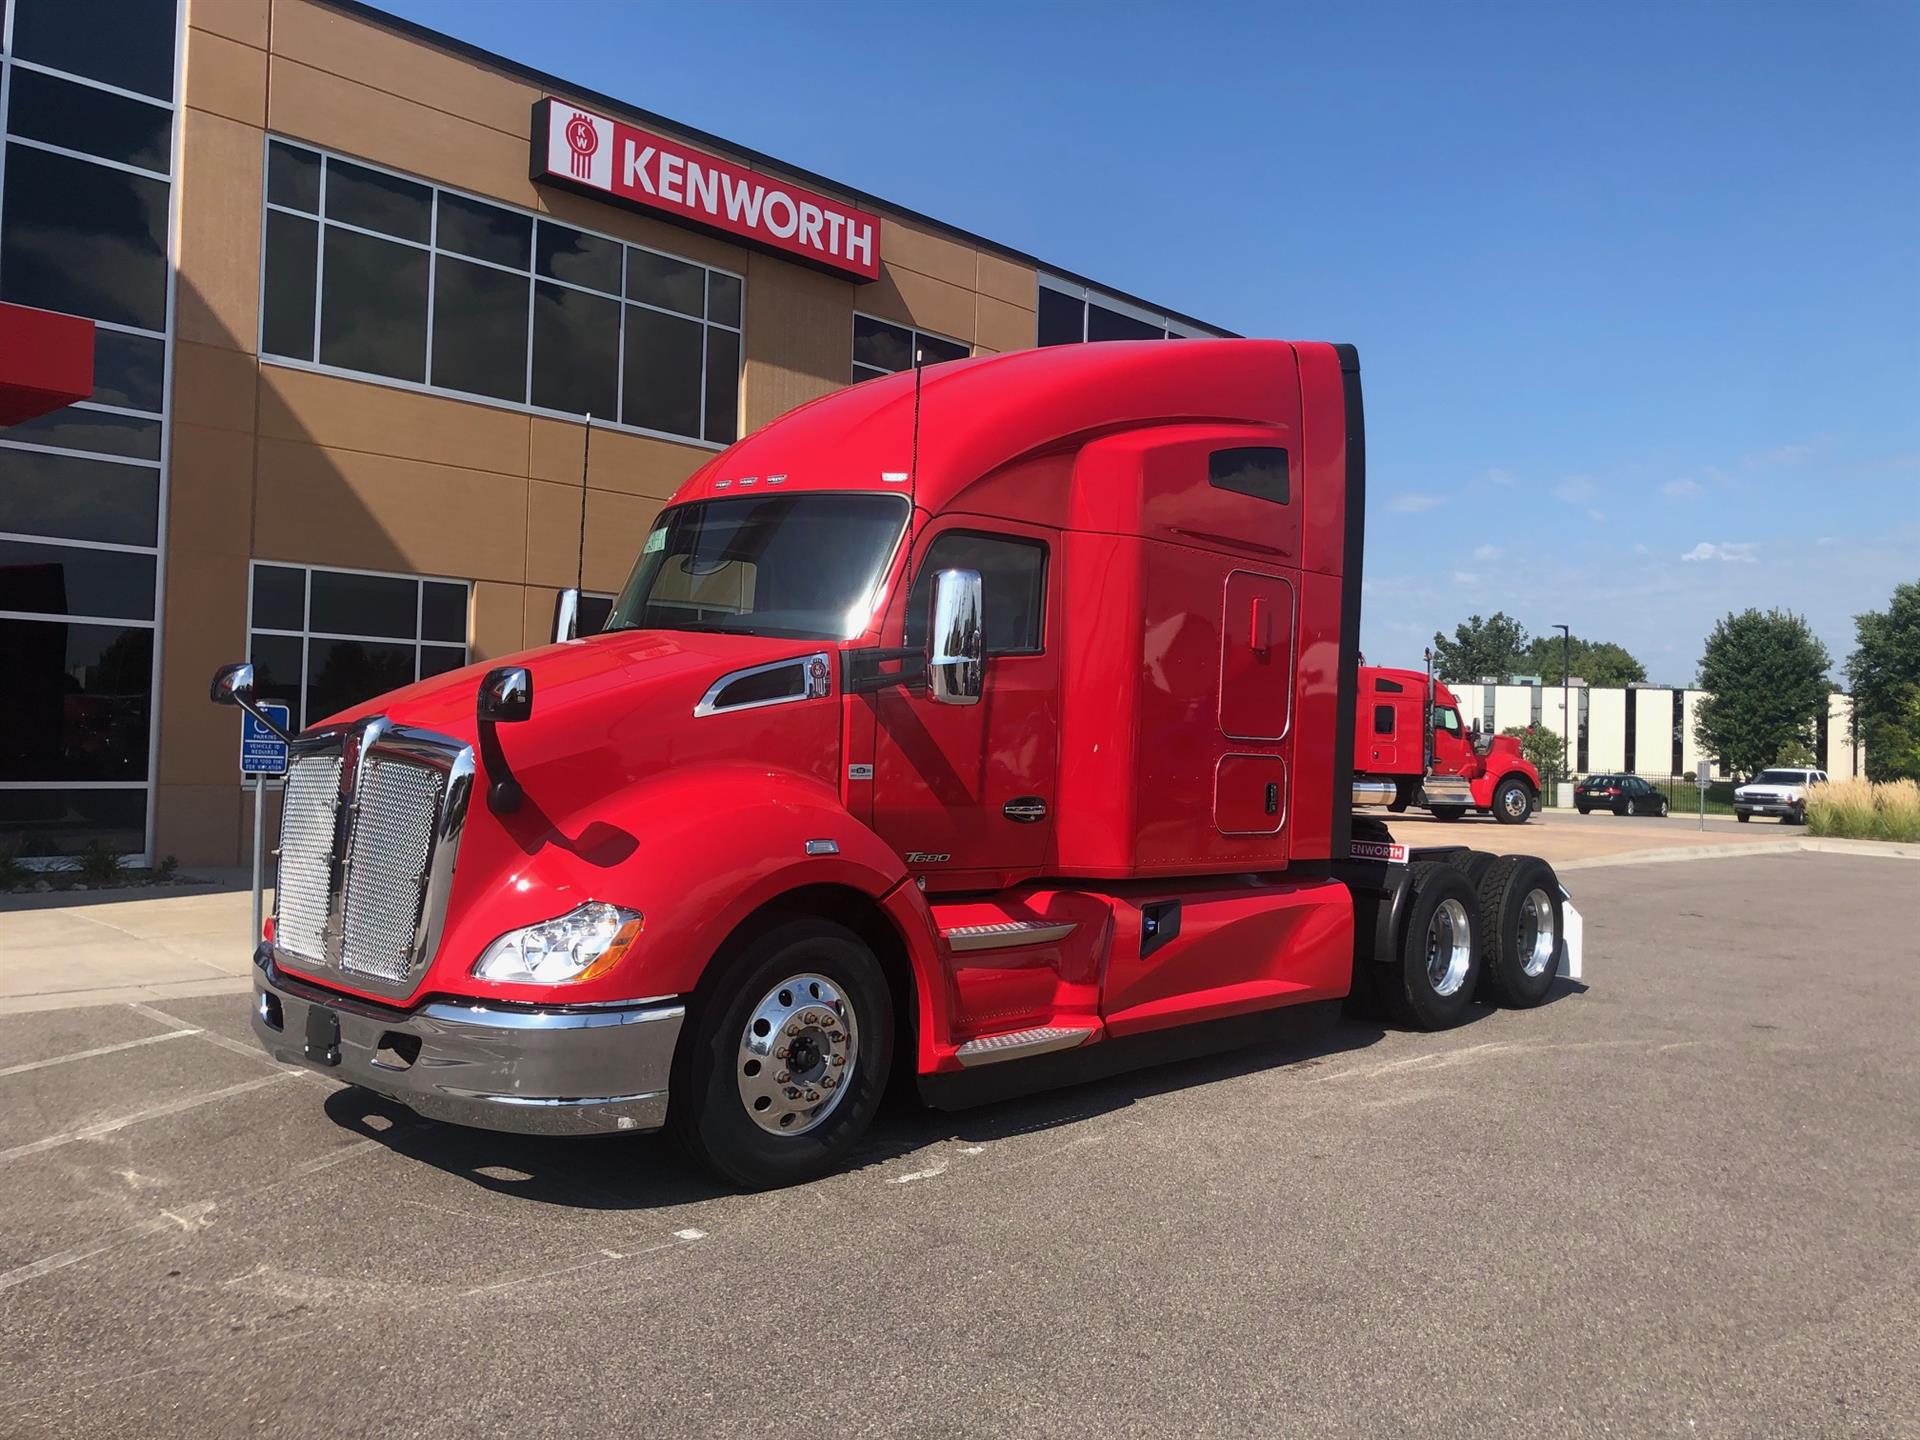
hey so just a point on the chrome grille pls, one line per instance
(300, 897)
(396, 812)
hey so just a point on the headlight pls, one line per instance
(576, 946)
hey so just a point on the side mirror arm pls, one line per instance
(506, 697)
(233, 685)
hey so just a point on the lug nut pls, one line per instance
(839, 1059)
(782, 1078)
(781, 1053)
(813, 1097)
(838, 1038)
(793, 1092)
(793, 1028)
(828, 1082)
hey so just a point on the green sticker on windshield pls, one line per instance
(655, 541)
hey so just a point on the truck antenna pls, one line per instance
(913, 481)
(580, 562)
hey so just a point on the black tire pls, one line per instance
(1447, 812)
(1522, 957)
(1584, 809)
(1624, 807)
(1797, 816)
(1512, 801)
(1742, 816)
(1418, 997)
(1664, 807)
(1472, 863)
(706, 1112)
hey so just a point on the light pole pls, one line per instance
(1566, 669)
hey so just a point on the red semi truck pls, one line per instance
(978, 729)
(1408, 734)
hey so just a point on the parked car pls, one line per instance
(1781, 792)
(1622, 794)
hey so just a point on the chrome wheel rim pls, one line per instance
(1515, 801)
(1449, 947)
(1537, 935)
(797, 1055)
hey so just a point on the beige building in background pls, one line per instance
(317, 482)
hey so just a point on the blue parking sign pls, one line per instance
(261, 751)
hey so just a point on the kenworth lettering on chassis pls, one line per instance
(977, 730)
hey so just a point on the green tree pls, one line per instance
(1544, 748)
(1765, 674)
(1884, 670)
(1493, 646)
(1601, 663)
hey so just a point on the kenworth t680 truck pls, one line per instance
(1408, 733)
(974, 729)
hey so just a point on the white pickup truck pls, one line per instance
(1781, 792)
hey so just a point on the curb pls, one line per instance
(1876, 849)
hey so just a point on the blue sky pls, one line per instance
(1636, 286)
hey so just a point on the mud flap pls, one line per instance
(1572, 938)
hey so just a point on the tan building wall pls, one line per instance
(271, 462)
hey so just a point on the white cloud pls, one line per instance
(1465, 577)
(1741, 553)
(1779, 455)
(1593, 514)
(1487, 552)
(1640, 549)
(1411, 504)
(1501, 478)
(1575, 490)
(1682, 489)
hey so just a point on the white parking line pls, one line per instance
(97, 1050)
(185, 1219)
(107, 1127)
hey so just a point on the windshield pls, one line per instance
(1780, 777)
(802, 566)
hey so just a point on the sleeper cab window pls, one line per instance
(1389, 687)
(1256, 470)
(1383, 719)
(1013, 577)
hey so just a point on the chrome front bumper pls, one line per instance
(531, 1071)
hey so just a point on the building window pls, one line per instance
(1679, 732)
(376, 274)
(324, 640)
(85, 213)
(883, 348)
(1580, 762)
(1071, 313)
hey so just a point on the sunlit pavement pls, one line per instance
(1682, 1201)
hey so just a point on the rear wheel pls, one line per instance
(1520, 928)
(1584, 809)
(1447, 812)
(1623, 807)
(788, 1057)
(1512, 801)
(1438, 968)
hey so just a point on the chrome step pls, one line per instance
(1007, 934)
(1018, 1044)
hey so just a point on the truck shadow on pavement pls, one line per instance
(645, 1172)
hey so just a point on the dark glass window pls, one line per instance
(1063, 319)
(66, 580)
(723, 386)
(129, 45)
(1105, 324)
(348, 604)
(479, 329)
(77, 701)
(293, 178)
(663, 372)
(128, 369)
(79, 117)
(486, 232)
(277, 668)
(1383, 719)
(286, 320)
(343, 673)
(576, 350)
(591, 617)
(563, 253)
(881, 346)
(1012, 587)
(438, 659)
(666, 282)
(98, 430)
(58, 208)
(279, 597)
(64, 822)
(68, 498)
(374, 200)
(935, 351)
(443, 612)
(1256, 470)
(373, 314)
(1389, 687)
(723, 298)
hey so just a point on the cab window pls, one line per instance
(1013, 576)
(1448, 720)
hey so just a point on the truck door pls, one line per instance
(966, 792)
(1384, 741)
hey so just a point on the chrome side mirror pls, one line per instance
(956, 646)
(506, 694)
(566, 615)
(233, 685)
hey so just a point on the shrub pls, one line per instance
(12, 872)
(98, 863)
(1862, 810)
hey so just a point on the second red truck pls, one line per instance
(972, 730)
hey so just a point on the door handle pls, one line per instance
(1258, 626)
(1273, 797)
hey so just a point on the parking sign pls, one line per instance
(261, 751)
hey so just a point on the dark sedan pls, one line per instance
(1622, 794)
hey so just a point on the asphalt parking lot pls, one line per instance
(1679, 1202)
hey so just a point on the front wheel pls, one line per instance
(1742, 816)
(1513, 801)
(1432, 980)
(789, 1053)
(1662, 811)
(1447, 812)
